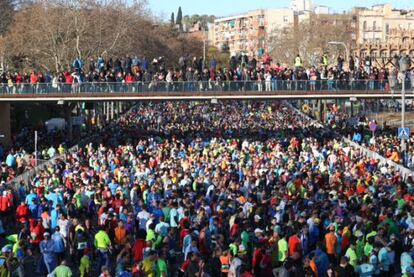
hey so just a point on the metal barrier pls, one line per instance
(27, 177)
(205, 86)
(405, 172)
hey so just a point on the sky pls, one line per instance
(164, 8)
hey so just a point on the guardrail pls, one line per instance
(201, 86)
(27, 177)
(405, 172)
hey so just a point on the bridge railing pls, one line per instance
(205, 86)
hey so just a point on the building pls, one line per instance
(384, 31)
(398, 42)
(322, 10)
(248, 32)
(376, 23)
(301, 5)
(379, 31)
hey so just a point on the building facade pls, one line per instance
(247, 33)
(398, 42)
(384, 31)
(301, 5)
(379, 31)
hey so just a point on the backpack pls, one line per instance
(82, 241)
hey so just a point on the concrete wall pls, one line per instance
(5, 127)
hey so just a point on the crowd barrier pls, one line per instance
(405, 172)
(26, 177)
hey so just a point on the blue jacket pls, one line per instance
(59, 242)
(47, 248)
(54, 216)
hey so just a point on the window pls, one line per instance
(285, 19)
(364, 25)
(261, 20)
(387, 28)
(374, 25)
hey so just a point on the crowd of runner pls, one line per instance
(198, 189)
(241, 73)
(382, 139)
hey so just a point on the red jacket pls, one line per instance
(129, 79)
(138, 249)
(4, 203)
(68, 79)
(22, 213)
(117, 204)
(34, 79)
(36, 232)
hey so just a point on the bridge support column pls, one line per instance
(108, 111)
(68, 107)
(300, 104)
(103, 111)
(5, 127)
(88, 119)
(120, 107)
(314, 111)
(319, 110)
(352, 108)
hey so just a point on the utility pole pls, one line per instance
(403, 66)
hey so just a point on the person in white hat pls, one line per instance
(47, 248)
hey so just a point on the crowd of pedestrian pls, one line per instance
(202, 189)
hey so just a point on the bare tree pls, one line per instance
(49, 34)
(309, 39)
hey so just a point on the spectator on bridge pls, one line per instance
(77, 64)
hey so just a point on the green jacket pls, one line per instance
(102, 240)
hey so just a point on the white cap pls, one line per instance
(258, 230)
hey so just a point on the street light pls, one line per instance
(205, 40)
(344, 45)
(403, 64)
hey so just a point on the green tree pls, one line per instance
(172, 21)
(179, 19)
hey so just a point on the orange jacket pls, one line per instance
(120, 235)
(225, 263)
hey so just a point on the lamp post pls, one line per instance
(205, 40)
(344, 45)
(403, 64)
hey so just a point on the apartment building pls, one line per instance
(248, 32)
(384, 31)
(375, 23)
